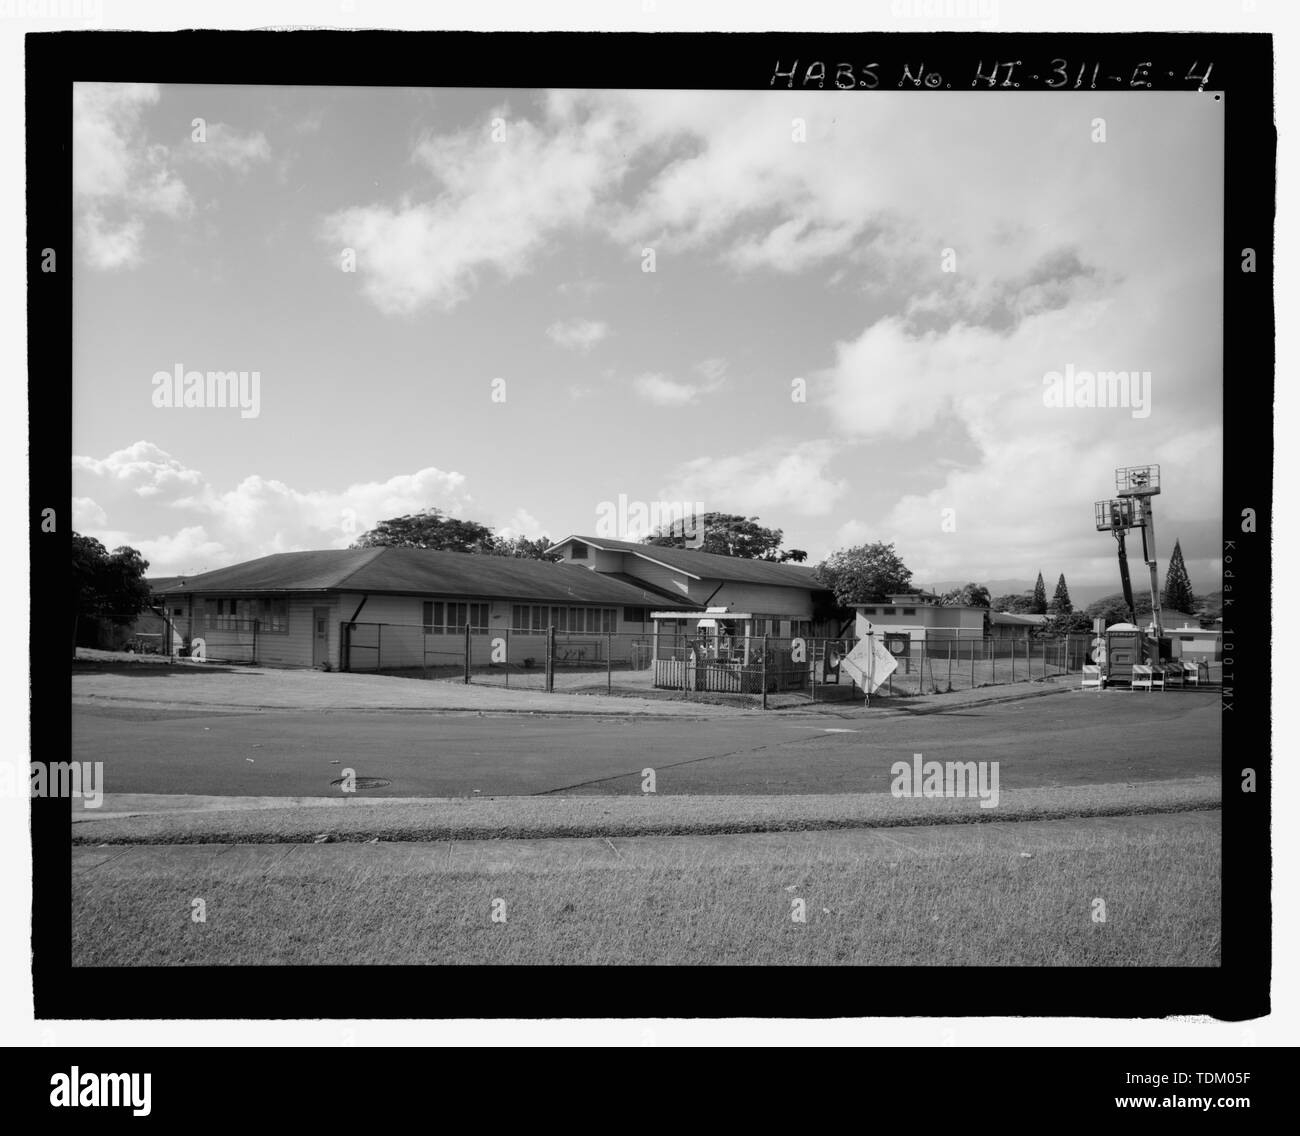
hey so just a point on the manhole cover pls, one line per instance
(363, 782)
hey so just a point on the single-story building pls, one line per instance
(1013, 625)
(778, 599)
(919, 617)
(1191, 642)
(352, 608)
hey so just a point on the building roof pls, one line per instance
(159, 584)
(418, 571)
(710, 565)
(1016, 619)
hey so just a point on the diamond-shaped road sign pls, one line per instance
(870, 663)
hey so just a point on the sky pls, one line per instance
(854, 303)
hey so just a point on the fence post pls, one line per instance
(949, 664)
(550, 659)
(507, 656)
(255, 640)
(764, 670)
(379, 647)
(972, 664)
(609, 662)
(467, 652)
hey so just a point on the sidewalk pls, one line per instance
(244, 689)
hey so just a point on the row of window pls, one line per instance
(270, 614)
(888, 611)
(588, 620)
(451, 618)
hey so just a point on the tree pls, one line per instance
(429, 528)
(1016, 603)
(1063, 623)
(524, 548)
(1061, 604)
(865, 574)
(1038, 605)
(107, 587)
(972, 595)
(1112, 609)
(729, 534)
(1177, 595)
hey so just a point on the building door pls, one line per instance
(320, 637)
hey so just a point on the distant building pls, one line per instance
(778, 599)
(1013, 625)
(921, 617)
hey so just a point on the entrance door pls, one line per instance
(320, 639)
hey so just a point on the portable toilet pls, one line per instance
(1123, 651)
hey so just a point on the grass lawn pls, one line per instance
(946, 900)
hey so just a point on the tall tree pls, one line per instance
(1038, 605)
(1061, 604)
(1177, 595)
(729, 534)
(865, 574)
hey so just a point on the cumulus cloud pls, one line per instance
(776, 477)
(204, 526)
(118, 178)
(577, 334)
(498, 194)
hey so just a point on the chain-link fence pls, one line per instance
(764, 669)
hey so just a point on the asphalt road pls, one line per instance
(1066, 739)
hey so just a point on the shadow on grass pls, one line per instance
(149, 670)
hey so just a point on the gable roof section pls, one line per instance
(418, 571)
(710, 565)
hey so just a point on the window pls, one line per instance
(178, 611)
(444, 618)
(635, 614)
(868, 611)
(909, 611)
(577, 551)
(888, 611)
(800, 628)
(573, 620)
(266, 614)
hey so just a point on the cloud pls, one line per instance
(496, 198)
(793, 478)
(577, 334)
(86, 514)
(151, 492)
(118, 179)
(662, 390)
(228, 147)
